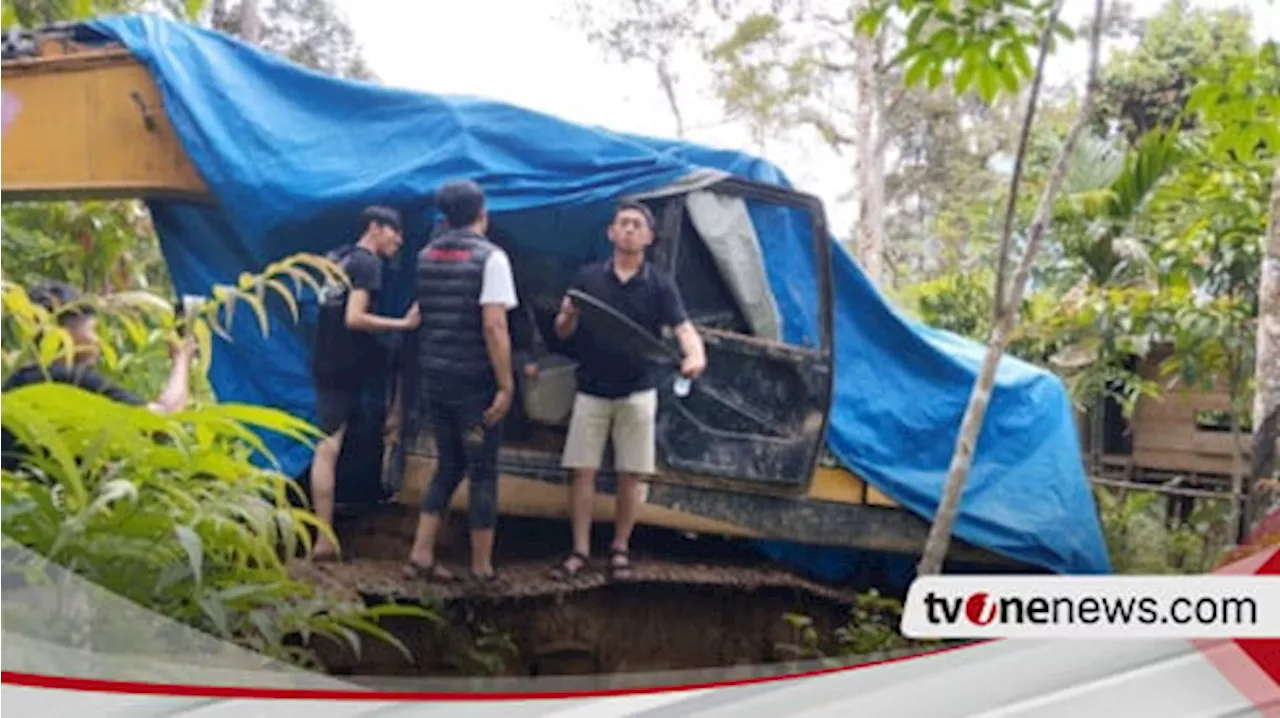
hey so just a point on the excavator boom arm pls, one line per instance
(87, 122)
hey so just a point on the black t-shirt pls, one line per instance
(340, 354)
(82, 376)
(649, 299)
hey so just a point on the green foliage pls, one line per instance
(168, 511)
(1147, 87)
(1141, 540)
(1212, 341)
(872, 631)
(484, 651)
(1094, 217)
(137, 328)
(983, 46)
(1240, 100)
(96, 246)
(1211, 218)
(960, 302)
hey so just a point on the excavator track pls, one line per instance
(386, 580)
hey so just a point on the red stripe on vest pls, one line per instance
(448, 255)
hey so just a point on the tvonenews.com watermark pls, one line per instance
(1093, 607)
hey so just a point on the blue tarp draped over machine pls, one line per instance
(292, 155)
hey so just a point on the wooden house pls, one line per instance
(1186, 432)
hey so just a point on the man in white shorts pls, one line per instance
(617, 395)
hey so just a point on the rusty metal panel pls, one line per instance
(89, 125)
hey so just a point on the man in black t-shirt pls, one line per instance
(81, 323)
(617, 394)
(346, 350)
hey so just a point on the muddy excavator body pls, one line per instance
(742, 455)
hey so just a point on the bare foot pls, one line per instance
(324, 550)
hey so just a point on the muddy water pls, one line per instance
(691, 604)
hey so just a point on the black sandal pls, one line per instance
(431, 573)
(564, 571)
(485, 579)
(620, 570)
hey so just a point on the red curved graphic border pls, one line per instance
(1250, 667)
(99, 685)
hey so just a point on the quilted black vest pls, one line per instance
(451, 338)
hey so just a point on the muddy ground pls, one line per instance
(692, 604)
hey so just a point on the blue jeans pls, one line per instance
(464, 446)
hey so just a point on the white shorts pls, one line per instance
(629, 420)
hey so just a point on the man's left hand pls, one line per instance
(692, 367)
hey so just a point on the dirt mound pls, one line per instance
(692, 603)
(671, 616)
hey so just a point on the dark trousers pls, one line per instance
(465, 447)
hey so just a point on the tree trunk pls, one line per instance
(1024, 138)
(1263, 494)
(668, 83)
(1237, 470)
(250, 26)
(870, 158)
(935, 549)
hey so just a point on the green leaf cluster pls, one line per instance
(983, 46)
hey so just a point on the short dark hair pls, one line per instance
(638, 206)
(385, 216)
(55, 297)
(461, 202)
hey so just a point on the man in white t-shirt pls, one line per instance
(465, 289)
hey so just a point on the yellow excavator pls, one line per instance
(93, 125)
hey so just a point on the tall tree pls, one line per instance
(1266, 400)
(660, 34)
(802, 66)
(988, 46)
(250, 23)
(312, 33)
(869, 119)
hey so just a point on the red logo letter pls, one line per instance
(978, 610)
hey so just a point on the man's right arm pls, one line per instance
(177, 391)
(359, 317)
(498, 341)
(566, 322)
(366, 277)
(497, 298)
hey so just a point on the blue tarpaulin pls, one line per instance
(291, 156)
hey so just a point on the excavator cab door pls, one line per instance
(756, 420)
